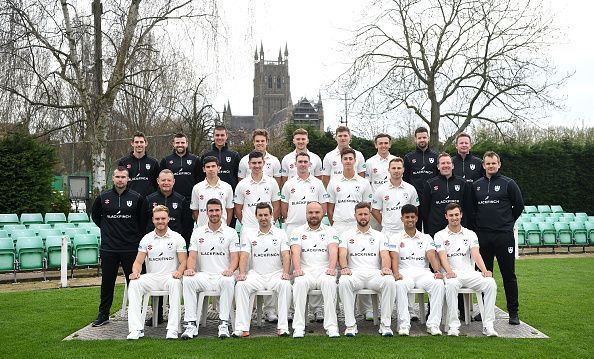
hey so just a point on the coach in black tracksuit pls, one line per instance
(498, 204)
(185, 166)
(420, 165)
(441, 190)
(118, 212)
(466, 165)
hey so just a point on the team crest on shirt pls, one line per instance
(333, 163)
(457, 187)
(174, 205)
(148, 166)
(170, 162)
(414, 160)
(420, 244)
(221, 195)
(274, 242)
(465, 242)
(431, 160)
(128, 166)
(405, 195)
(371, 240)
(322, 237)
(497, 188)
(129, 203)
(510, 250)
(472, 166)
(170, 246)
(155, 204)
(375, 170)
(228, 158)
(478, 188)
(189, 162)
(221, 240)
(386, 198)
(357, 188)
(337, 189)
(291, 166)
(267, 190)
(312, 189)
(201, 240)
(106, 201)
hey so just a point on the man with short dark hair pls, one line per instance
(211, 187)
(272, 166)
(498, 204)
(184, 165)
(228, 159)
(289, 163)
(142, 169)
(466, 166)
(118, 212)
(376, 167)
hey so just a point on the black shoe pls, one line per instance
(149, 322)
(101, 320)
(478, 318)
(514, 319)
(414, 319)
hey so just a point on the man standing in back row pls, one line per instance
(332, 165)
(466, 166)
(498, 204)
(184, 165)
(142, 169)
(228, 159)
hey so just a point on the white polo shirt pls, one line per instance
(289, 167)
(345, 194)
(376, 170)
(314, 246)
(161, 252)
(272, 166)
(389, 200)
(202, 192)
(297, 193)
(332, 165)
(265, 249)
(413, 250)
(457, 247)
(214, 248)
(249, 193)
(364, 248)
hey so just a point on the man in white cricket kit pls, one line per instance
(256, 188)
(414, 251)
(458, 250)
(345, 191)
(164, 252)
(365, 261)
(298, 191)
(211, 187)
(332, 165)
(267, 248)
(376, 167)
(271, 167)
(214, 256)
(289, 165)
(314, 251)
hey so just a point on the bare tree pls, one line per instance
(451, 62)
(58, 30)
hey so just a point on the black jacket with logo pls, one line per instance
(143, 173)
(186, 170)
(120, 218)
(229, 161)
(180, 217)
(469, 168)
(497, 203)
(419, 166)
(440, 191)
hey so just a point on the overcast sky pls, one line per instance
(313, 31)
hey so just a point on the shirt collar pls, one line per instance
(309, 229)
(308, 179)
(348, 179)
(217, 185)
(166, 235)
(456, 233)
(401, 185)
(368, 231)
(220, 230)
(416, 236)
(261, 181)
(260, 233)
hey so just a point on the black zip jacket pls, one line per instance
(440, 191)
(180, 217)
(497, 203)
(469, 168)
(186, 170)
(120, 218)
(229, 161)
(143, 173)
(419, 166)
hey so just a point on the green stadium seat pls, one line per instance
(20, 233)
(551, 219)
(543, 208)
(55, 218)
(568, 214)
(86, 225)
(53, 249)
(581, 214)
(530, 209)
(579, 233)
(238, 227)
(63, 226)
(77, 217)
(563, 232)
(29, 218)
(538, 219)
(521, 235)
(532, 234)
(39, 226)
(94, 230)
(589, 226)
(548, 234)
(85, 251)
(14, 227)
(325, 220)
(29, 254)
(8, 218)
(44, 233)
(555, 208)
(555, 215)
(565, 219)
(7, 256)
(71, 232)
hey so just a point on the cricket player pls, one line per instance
(458, 250)
(267, 248)
(164, 252)
(211, 187)
(288, 164)
(332, 164)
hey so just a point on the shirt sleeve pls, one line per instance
(377, 202)
(331, 192)
(194, 242)
(234, 243)
(327, 165)
(275, 192)
(142, 245)
(228, 196)
(333, 236)
(439, 242)
(285, 166)
(343, 241)
(238, 198)
(285, 193)
(276, 167)
(317, 166)
(295, 237)
(181, 244)
(243, 167)
(368, 167)
(395, 240)
(194, 198)
(367, 193)
(361, 166)
(385, 244)
(284, 239)
(322, 195)
(474, 242)
(245, 241)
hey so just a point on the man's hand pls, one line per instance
(487, 273)
(285, 276)
(386, 271)
(189, 272)
(438, 275)
(134, 275)
(346, 271)
(397, 276)
(331, 271)
(227, 272)
(450, 275)
(177, 274)
(297, 272)
(241, 277)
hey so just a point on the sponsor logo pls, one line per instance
(478, 188)
(375, 170)
(303, 237)
(386, 198)
(149, 247)
(247, 192)
(291, 166)
(292, 190)
(401, 244)
(254, 243)
(447, 242)
(337, 189)
(435, 188)
(333, 163)
(201, 240)
(170, 162)
(201, 197)
(155, 204)
(351, 241)
(414, 160)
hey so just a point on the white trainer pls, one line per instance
(433, 330)
(190, 332)
(298, 333)
(135, 335)
(351, 331)
(171, 334)
(385, 331)
(333, 333)
(453, 332)
(405, 332)
(223, 330)
(490, 332)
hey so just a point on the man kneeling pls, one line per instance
(458, 248)
(165, 253)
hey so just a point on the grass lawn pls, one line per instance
(556, 296)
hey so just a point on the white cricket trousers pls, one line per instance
(146, 283)
(475, 281)
(201, 282)
(253, 283)
(419, 278)
(348, 285)
(315, 279)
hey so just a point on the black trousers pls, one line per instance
(502, 245)
(110, 264)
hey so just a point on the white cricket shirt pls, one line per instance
(161, 252)
(202, 192)
(214, 248)
(265, 249)
(345, 193)
(364, 248)
(332, 165)
(249, 193)
(297, 193)
(457, 247)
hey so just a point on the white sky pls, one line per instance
(313, 31)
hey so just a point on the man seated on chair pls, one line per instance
(213, 257)
(314, 250)
(365, 261)
(164, 252)
(267, 248)
(410, 264)
(458, 250)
